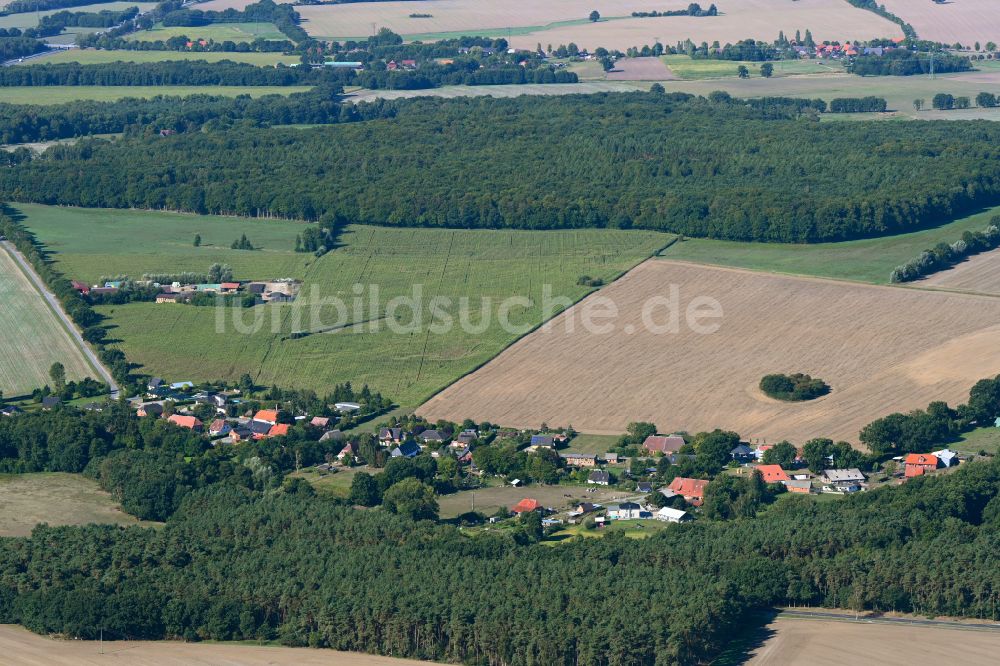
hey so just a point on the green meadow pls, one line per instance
(219, 32)
(485, 267)
(867, 260)
(688, 68)
(102, 56)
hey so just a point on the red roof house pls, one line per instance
(526, 505)
(189, 422)
(773, 473)
(663, 444)
(319, 421)
(278, 430)
(266, 416)
(219, 427)
(693, 490)
(81, 287)
(916, 464)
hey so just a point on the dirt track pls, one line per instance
(20, 646)
(882, 349)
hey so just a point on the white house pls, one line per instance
(668, 515)
(626, 511)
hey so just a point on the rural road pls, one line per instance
(881, 619)
(55, 305)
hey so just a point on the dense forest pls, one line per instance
(234, 558)
(902, 62)
(713, 167)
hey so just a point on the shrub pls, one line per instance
(793, 388)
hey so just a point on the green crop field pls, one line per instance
(34, 338)
(868, 260)
(690, 69)
(30, 19)
(66, 94)
(219, 32)
(100, 56)
(186, 341)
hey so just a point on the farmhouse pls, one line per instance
(268, 416)
(189, 422)
(802, 486)
(663, 444)
(917, 464)
(773, 474)
(387, 435)
(527, 505)
(579, 459)
(153, 409)
(541, 440)
(278, 430)
(432, 436)
(626, 511)
(844, 480)
(742, 454)
(599, 477)
(692, 490)
(406, 450)
(219, 427)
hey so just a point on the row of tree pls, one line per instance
(943, 256)
(903, 62)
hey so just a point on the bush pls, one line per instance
(793, 388)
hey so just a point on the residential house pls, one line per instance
(406, 450)
(644, 487)
(541, 440)
(154, 384)
(319, 422)
(219, 427)
(773, 473)
(241, 434)
(278, 430)
(229, 287)
(527, 505)
(663, 444)
(334, 435)
(432, 436)
(669, 515)
(268, 416)
(465, 438)
(10, 410)
(599, 477)
(742, 454)
(393, 435)
(803, 486)
(259, 429)
(81, 287)
(153, 409)
(627, 511)
(844, 480)
(50, 401)
(692, 490)
(579, 459)
(213, 399)
(917, 464)
(946, 457)
(611, 458)
(349, 452)
(189, 422)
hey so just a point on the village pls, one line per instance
(280, 290)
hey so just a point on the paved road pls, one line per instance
(881, 619)
(57, 308)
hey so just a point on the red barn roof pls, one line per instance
(772, 473)
(526, 505)
(922, 459)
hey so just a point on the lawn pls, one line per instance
(489, 500)
(981, 439)
(218, 32)
(598, 444)
(408, 364)
(30, 19)
(66, 94)
(100, 56)
(688, 68)
(35, 337)
(57, 499)
(633, 529)
(869, 260)
(336, 485)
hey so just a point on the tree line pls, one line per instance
(702, 167)
(943, 256)
(903, 62)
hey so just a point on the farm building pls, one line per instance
(406, 450)
(844, 480)
(627, 511)
(278, 430)
(219, 427)
(268, 416)
(917, 464)
(663, 444)
(189, 422)
(599, 477)
(802, 486)
(668, 515)
(579, 459)
(527, 505)
(773, 474)
(692, 490)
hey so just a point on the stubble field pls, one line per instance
(963, 21)
(33, 338)
(57, 499)
(979, 274)
(882, 349)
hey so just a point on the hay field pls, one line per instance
(564, 21)
(641, 69)
(55, 498)
(979, 274)
(882, 349)
(963, 21)
(33, 337)
(793, 641)
(20, 646)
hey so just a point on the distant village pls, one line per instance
(268, 291)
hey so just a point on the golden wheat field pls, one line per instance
(979, 274)
(564, 21)
(963, 21)
(882, 349)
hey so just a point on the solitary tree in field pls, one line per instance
(743, 72)
(766, 70)
(197, 240)
(918, 104)
(595, 16)
(991, 46)
(58, 375)
(657, 88)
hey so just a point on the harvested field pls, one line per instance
(641, 69)
(34, 338)
(835, 642)
(882, 349)
(56, 499)
(979, 274)
(20, 646)
(963, 21)
(564, 21)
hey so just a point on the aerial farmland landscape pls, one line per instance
(625, 333)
